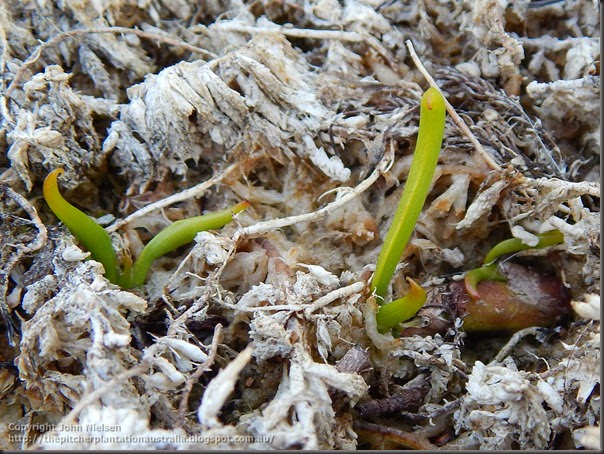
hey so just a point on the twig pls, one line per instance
(517, 337)
(207, 364)
(334, 295)
(407, 399)
(541, 88)
(292, 32)
(456, 118)
(339, 35)
(590, 188)
(72, 33)
(307, 308)
(195, 191)
(356, 360)
(276, 307)
(551, 43)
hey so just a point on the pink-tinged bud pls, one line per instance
(528, 298)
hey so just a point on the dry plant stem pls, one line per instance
(194, 192)
(268, 226)
(550, 42)
(114, 30)
(276, 307)
(334, 295)
(456, 118)
(587, 187)
(517, 337)
(310, 34)
(207, 364)
(407, 399)
(307, 308)
(538, 88)
(292, 32)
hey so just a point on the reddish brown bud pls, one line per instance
(528, 298)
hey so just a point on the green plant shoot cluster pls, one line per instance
(489, 269)
(98, 242)
(425, 158)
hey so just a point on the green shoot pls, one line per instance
(489, 271)
(98, 242)
(485, 273)
(391, 314)
(431, 129)
(174, 236)
(90, 234)
(546, 239)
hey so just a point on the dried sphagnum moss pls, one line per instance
(297, 120)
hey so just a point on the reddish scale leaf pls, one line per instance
(528, 298)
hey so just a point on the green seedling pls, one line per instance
(546, 239)
(425, 158)
(399, 310)
(489, 271)
(98, 242)
(484, 273)
(88, 232)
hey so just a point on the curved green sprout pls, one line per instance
(174, 236)
(546, 239)
(489, 272)
(98, 242)
(484, 273)
(425, 158)
(89, 233)
(391, 314)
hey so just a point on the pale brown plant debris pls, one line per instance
(262, 335)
